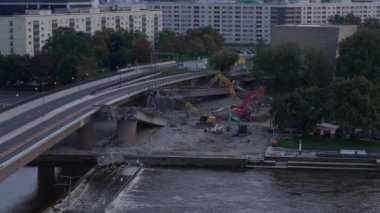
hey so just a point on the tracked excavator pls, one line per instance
(230, 85)
(204, 120)
(245, 111)
(242, 129)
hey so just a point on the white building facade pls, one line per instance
(26, 34)
(246, 23)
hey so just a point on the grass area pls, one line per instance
(330, 144)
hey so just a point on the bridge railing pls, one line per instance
(152, 84)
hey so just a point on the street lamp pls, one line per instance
(117, 71)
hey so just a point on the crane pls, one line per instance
(230, 85)
(203, 119)
(244, 110)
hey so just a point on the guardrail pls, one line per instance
(126, 69)
(151, 84)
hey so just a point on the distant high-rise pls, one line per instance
(27, 34)
(248, 23)
(9, 7)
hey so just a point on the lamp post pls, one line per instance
(117, 71)
(300, 147)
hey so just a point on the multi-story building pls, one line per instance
(26, 34)
(246, 23)
(238, 23)
(9, 7)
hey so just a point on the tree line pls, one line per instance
(307, 92)
(197, 42)
(69, 56)
(350, 19)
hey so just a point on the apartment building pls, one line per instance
(246, 23)
(26, 34)
(9, 7)
(238, 23)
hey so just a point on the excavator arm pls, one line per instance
(244, 109)
(231, 117)
(189, 107)
(259, 92)
(229, 84)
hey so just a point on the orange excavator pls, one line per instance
(245, 110)
(204, 120)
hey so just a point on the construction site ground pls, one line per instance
(181, 135)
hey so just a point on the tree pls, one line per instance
(349, 19)
(17, 68)
(371, 23)
(198, 41)
(289, 67)
(141, 51)
(67, 69)
(100, 47)
(336, 19)
(66, 41)
(196, 47)
(286, 67)
(42, 70)
(223, 60)
(356, 104)
(69, 50)
(359, 54)
(86, 69)
(317, 71)
(302, 109)
(262, 66)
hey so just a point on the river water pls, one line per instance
(199, 190)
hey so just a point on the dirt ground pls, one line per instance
(181, 136)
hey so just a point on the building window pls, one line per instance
(72, 23)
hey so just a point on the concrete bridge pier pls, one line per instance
(85, 134)
(126, 132)
(46, 179)
(193, 82)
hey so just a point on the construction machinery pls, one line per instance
(245, 110)
(204, 120)
(242, 129)
(230, 85)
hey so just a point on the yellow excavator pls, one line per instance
(204, 120)
(230, 85)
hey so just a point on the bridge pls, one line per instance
(30, 129)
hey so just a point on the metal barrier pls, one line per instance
(156, 83)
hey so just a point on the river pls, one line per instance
(200, 190)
